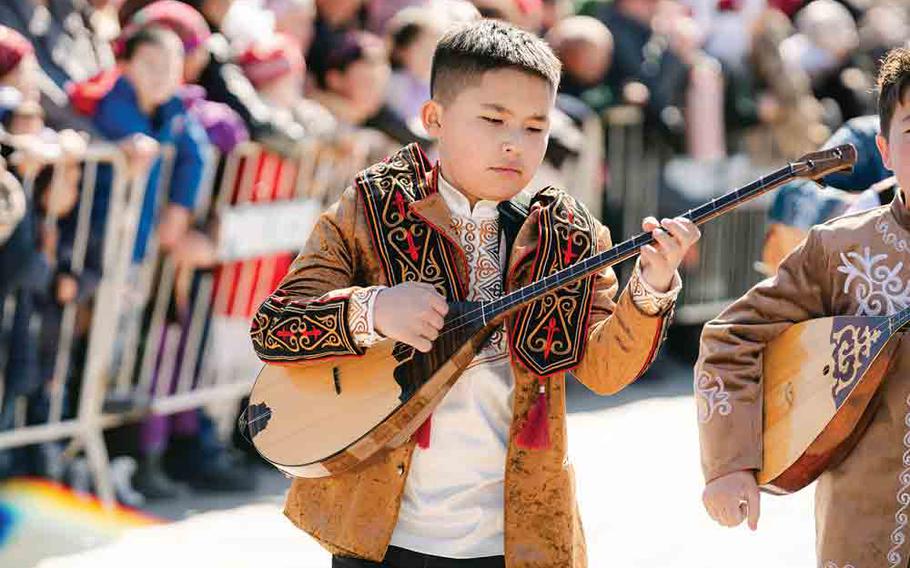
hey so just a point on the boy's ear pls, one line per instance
(431, 116)
(884, 150)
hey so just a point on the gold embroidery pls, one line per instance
(292, 332)
(549, 335)
(360, 316)
(650, 301)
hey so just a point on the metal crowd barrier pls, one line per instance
(721, 267)
(164, 337)
(81, 424)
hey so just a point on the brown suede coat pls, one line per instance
(355, 513)
(856, 265)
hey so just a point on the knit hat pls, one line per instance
(266, 61)
(178, 17)
(13, 49)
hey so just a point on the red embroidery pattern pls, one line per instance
(548, 336)
(408, 249)
(289, 332)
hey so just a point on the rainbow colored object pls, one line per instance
(41, 519)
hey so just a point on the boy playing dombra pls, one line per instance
(858, 265)
(486, 481)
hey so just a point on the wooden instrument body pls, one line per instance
(819, 380)
(324, 417)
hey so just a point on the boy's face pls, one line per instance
(492, 135)
(895, 149)
(156, 72)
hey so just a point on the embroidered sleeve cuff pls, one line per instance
(647, 299)
(360, 316)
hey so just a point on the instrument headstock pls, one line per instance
(815, 165)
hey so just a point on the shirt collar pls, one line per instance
(459, 205)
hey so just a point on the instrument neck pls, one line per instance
(631, 247)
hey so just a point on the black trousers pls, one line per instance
(400, 558)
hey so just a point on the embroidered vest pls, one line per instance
(549, 335)
(409, 250)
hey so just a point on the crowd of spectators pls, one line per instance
(769, 78)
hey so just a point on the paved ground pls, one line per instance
(639, 486)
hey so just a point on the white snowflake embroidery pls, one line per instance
(878, 289)
(711, 397)
(891, 238)
(831, 564)
(903, 500)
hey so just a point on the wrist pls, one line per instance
(656, 280)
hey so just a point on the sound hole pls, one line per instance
(258, 416)
(826, 370)
(336, 378)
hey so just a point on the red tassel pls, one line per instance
(535, 432)
(423, 433)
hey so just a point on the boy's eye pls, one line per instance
(492, 120)
(534, 129)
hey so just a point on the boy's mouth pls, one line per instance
(508, 170)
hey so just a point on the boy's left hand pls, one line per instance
(672, 239)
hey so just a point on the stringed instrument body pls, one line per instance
(321, 418)
(819, 383)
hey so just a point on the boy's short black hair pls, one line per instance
(893, 80)
(149, 35)
(465, 53)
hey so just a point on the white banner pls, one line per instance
(258, 229)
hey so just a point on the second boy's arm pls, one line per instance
(729, 371)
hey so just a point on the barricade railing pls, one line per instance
(643, 173)
(63, 326)
(134, 350)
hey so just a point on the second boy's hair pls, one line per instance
(464, 54)
(893, 81)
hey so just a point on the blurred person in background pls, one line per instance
(277, 69)
(824, 48)
(585, 47)
(37, 282)
(71, 43)
(653, 47)
(334, 18)
(224, 126)
(727, 26)
(295, 18)
(352, 86)
(775, 101)
(412, 37)
(209, 64)
(141, 111)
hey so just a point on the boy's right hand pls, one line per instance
(412, 313)
(733, 497)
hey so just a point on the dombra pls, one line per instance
(820, 379)
(321, 418)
